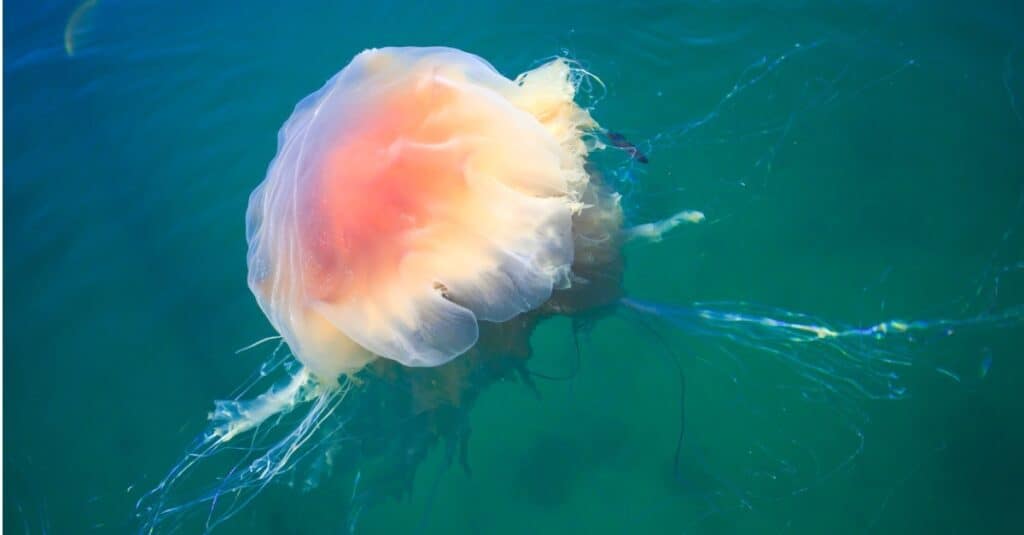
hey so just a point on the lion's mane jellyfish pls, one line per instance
(421, 206)
(418, 193)
(422, 215)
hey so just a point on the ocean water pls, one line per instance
(856, 161)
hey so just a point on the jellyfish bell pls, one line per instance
(417, 193)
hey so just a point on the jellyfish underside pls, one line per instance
(416, 295)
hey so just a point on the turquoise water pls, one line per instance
(858, 162)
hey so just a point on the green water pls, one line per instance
(858, 162)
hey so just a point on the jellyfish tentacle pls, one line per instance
(575, 366)
(678, 367)
(845, 362)
(262, 458)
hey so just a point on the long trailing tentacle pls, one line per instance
(263, 455)
(838, 369)
(848, 361)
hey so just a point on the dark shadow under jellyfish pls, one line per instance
(422, 216)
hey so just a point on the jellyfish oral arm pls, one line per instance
(233, 417)
(654, 232)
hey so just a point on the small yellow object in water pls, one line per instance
(73, 22)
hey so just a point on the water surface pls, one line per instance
(859, 161)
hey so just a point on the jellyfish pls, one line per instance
(422, 215)
(416, 195)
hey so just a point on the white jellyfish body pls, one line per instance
(417, 193)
